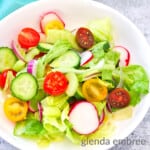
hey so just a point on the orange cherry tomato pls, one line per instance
(15, 109)
(93, 90)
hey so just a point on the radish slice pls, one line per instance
(124, 55)
(85, 57)
(108, 107)
(30, 108)
(40, 111)
(32, 67)
(84, 117)
(47, 17)
(102, 117)
(17, 50)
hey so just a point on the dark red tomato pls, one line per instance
(39, 55)
(55, 83)
(3, 77)
(28, 37)
(119, 98)
(84, 38)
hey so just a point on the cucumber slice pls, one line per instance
(7, 58)
(24, 86)
(44, 47)
(73, 84)
(69, 59)
(19, 65)
(32, 53)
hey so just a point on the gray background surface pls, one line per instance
(138, 11)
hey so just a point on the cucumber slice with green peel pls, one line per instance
(44, 47)
(73, 84)
(24, 86)
(69, 59)
(7, 58)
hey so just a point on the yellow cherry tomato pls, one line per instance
(15, 110)
(54, 24)
(93, 90)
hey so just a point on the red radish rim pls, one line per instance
(73, 105)
(40, 111)
(102, 117)
(108, 106)
(16, 51)
(86, 60)
(83, 101)
(47, 13)
(128, 54)
(30, 108)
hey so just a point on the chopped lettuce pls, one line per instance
(136, 79)
(55, 115)
(111, 60)
(100, 106)
(55, 34)
(98, 51)
(60, 47)
(101, 29)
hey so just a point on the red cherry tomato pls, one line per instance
(1, 81)
(84, 38)
(28, 37)
(55, 83)
(3, 77)
(119, 98)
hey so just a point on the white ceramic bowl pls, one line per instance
(75, 14)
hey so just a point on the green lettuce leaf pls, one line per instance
(101, 29)
(98, 51)
(59, 47)
(136, 79)
(111, 60)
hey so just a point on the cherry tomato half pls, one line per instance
(1, 81)
(93, 90)
(84, 38)
(3, 76)
(28, 37)
(119, 98)
(55, 83)
(15, 109)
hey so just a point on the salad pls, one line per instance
(74, 84)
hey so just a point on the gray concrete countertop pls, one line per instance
(138, 11)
